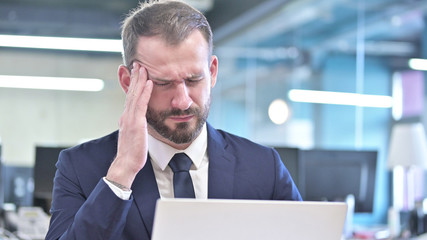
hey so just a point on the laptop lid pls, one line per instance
(195, 219)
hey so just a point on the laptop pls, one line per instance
(212, 219)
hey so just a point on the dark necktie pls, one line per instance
(182, 184)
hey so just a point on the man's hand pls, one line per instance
(132, 146)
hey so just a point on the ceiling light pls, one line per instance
(418, 64)
(340, 98)
(278, 111)
(61, 43)
(52, 83)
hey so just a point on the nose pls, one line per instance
(181, 99)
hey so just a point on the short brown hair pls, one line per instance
(174, 21)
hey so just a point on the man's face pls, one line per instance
(183, 76)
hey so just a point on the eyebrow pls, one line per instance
(192, 76)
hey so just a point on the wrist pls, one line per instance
(120, 175)
(121, 186)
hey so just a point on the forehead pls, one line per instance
(151, 44)
(190, 56)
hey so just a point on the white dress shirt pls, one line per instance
(160, 155)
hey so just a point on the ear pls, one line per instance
(124, 77)
(213, 70)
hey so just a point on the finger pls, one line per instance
(133, 77)
(131, 89)
(140, 82)
(138, 79)
(145, 97)
(145, 88)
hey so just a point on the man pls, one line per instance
(107, 188)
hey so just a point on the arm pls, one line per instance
(132, 143)
(285, 188)
(103, 215)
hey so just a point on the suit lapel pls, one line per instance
(146, 193)
(221, 167)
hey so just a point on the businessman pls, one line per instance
(107, 188)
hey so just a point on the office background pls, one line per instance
(265, 49)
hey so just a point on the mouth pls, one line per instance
(182, 118)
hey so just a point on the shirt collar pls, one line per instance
(161, 153)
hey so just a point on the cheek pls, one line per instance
(201, 96)
(158, 100)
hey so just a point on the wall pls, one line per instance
(31, 117)
(338, 125)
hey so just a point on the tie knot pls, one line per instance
(180, 162)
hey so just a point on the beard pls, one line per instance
(183, 132)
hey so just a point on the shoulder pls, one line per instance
(81, 167)
(95, 144)
(89, 156)
(232, 142)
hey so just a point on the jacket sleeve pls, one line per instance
(78, 215)
(285, 188)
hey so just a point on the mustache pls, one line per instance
(179, 112)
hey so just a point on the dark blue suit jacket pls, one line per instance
(84, 207)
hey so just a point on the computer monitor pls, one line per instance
(44, 172)
(18, 185)
(332, 175)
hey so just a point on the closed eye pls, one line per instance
(192, 81)
(161, 83)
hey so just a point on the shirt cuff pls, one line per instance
(125, 195)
